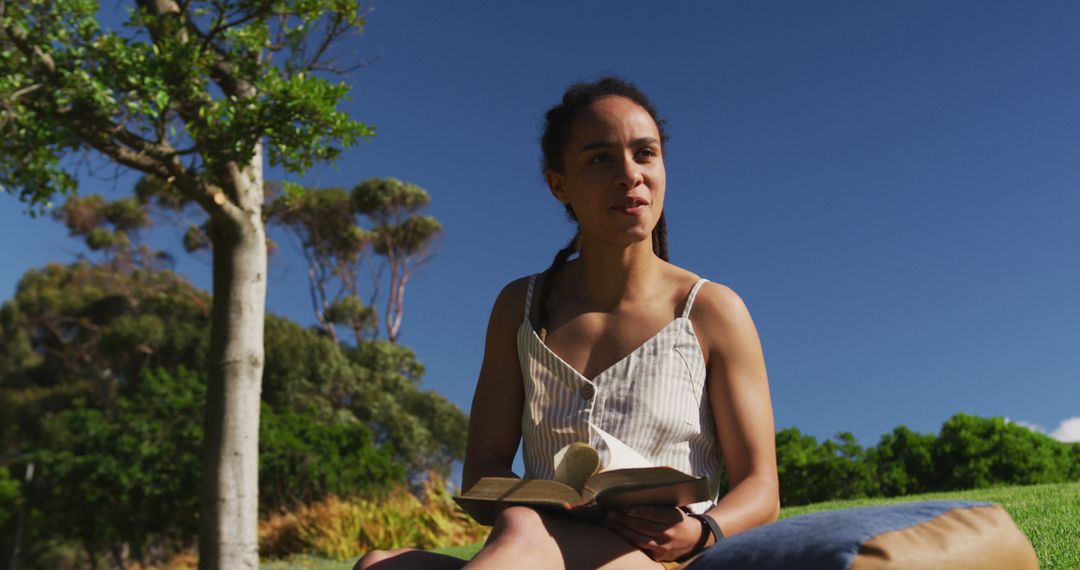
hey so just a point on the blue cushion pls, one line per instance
(819, 541)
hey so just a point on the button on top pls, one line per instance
(588, 391)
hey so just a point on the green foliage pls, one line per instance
(126, 473)
(10, 500)
(333, 242)
(130, 473)
(302, 459)
(970, 452)
(426, 430)
(973, 452)
(86, 331)
(394, 208)
(195, 94)
(324, 220)
(810, 472)
(191, 82)
(112, 228)
(903, 461)
(1074, 462)
(386, 198)
(116, 446)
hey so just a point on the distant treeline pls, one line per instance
(969, 452)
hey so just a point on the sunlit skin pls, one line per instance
(604, 304)
(614, 173)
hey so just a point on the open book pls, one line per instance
(584, 489)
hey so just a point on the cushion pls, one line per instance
(932, 534)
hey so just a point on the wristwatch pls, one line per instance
(707, 524)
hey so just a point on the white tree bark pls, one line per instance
(228, 533)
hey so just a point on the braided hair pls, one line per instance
(557, 124)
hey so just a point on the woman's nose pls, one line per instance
(629, 173)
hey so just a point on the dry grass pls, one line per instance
(339, 529)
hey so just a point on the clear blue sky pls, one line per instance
(892, 187)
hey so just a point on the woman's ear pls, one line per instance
(556, 184)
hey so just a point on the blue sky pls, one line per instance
(892, 187)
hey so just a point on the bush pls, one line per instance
(811, 472)
(346, 528)
(973, 453)
(302, 459)
(10, 503)
(126, 475)
(130, 475)
(903, 462)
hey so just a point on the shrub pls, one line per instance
(302, 459)
(973, 452)
(810, 472)
(345, 528)
(903, 462)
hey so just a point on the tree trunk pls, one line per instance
(228, 518)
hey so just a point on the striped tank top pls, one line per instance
(653, 399)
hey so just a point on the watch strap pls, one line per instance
(711, 524)
(708, 525)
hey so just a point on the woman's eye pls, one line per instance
(600, 158)
(647, 152)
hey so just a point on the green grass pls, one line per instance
(306, 562)
(1048, 514)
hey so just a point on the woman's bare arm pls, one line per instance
(495, 417)
(738, 390)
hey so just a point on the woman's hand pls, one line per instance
(663, 533)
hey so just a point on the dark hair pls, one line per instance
(557, 124)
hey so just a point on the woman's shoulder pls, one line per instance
(510, 303)
(717, 299)
(712, 298)
(717, 308)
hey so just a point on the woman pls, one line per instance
(620, 339)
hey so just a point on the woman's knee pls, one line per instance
(374, 557)
(408, 558)
(519, 525)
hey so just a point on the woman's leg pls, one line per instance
(522, 539)
(407, 558)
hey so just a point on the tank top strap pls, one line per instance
(690, 299)
(528, 296)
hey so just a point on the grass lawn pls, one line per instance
(1048, 514)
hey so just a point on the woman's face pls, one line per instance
(613, 175)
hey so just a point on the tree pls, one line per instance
(127, 475)
(193, 93)
(403, 235)
(324, 223)
(135, 466)
(112, 228)
(426, 431)
(335, 244)
(88, 331)
(92, 356)
(903, 462)
(973, 452)
(810, 472)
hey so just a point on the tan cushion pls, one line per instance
(980, 538)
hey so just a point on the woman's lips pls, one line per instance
(628, 210)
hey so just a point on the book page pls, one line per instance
(620, 455)
(575, 463)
